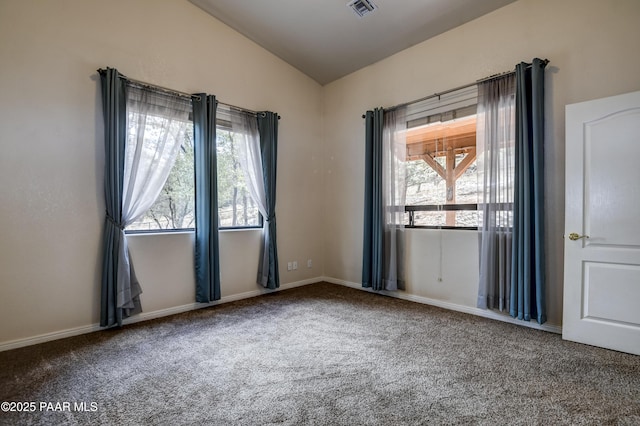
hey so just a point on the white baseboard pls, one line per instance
(46, 337)
(451, 306)
(145, 316)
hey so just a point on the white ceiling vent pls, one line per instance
(362, 7)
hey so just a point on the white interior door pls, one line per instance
(602, 257)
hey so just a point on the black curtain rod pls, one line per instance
(176, 92)
(491, 77)
(248, 111)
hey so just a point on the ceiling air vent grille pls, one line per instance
(362, 7)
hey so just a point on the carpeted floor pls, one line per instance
(320, 354)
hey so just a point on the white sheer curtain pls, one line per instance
(394, 152)
(496, 161)
(247, 142)
(156, 125)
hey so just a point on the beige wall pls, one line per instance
(51, 166)
(593, 48)
(51, 206)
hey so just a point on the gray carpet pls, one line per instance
(321, 354)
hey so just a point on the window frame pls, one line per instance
(222, 124)
(449, 103)
(189, 122)
(226, 125)
(440, 207)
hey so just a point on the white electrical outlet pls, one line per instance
(289, 266)
(309, 263)
(295, 265)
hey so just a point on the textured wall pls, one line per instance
(51, 166)
(51, 206)
(592, 46)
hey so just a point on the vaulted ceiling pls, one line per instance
(326, 40)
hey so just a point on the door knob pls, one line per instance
(573, 236)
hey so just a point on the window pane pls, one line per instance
(174, 208)
(424, 185)
(462, 218)
(467, 185)
(441, 165)
(501, 218)
(236, 207)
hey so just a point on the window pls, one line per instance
(441, 181)
(160, 139)
(175, 206)
(236, 208)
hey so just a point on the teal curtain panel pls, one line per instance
(528, 264)
(268, 272)
(207, 261)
